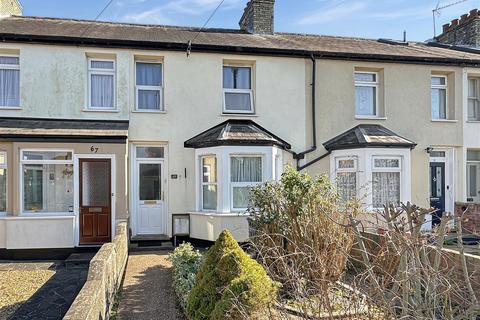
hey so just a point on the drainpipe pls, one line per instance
(301, 155)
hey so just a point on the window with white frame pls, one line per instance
(209, 182)
(237, 89)
(386, 181)
(101, 84)
(473, 175)
(346, 178)
(9, 81)
(148, 86)
(47, 181)
(366, 94)
(3, 181)
(245, 172)
(439, 97)
(473, 99)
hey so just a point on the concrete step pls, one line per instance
(79, 260)
(163, 246)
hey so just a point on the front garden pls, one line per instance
(309, 257)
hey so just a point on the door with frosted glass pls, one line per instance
(151, 218)
(95, 201)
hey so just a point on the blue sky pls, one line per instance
(360, 18)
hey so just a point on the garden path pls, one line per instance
(147, 291)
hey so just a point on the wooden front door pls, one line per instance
(95, 201)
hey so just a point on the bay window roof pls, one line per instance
(236, 133)
(368, 136)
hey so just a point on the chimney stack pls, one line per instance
(258, 17)
(462, 32)
(10, 7)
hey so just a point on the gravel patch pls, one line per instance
(17, 286)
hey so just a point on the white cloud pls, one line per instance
(342, 10)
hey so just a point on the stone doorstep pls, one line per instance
(79, 260)
(29, 265)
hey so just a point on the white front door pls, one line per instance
(473, 182)
(151, 216)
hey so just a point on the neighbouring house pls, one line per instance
(104, 122)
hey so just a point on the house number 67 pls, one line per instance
(93, 149)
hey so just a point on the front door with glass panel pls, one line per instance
(95, 201)
(151, 216)
(437, 190)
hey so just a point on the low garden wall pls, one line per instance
(105, 275)
(471, 218)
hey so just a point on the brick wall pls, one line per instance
(464, 31)
(471, 218)
(258, 17)
(10, 7)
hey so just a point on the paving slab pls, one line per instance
(147, 291)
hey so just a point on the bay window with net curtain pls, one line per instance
(386, 181)
(101, 84)
(9, 82)
(245, 173)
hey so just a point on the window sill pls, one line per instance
(370, 118)
(45, 215)
(101, 110)
(219, 214)
(444, 120)
(10, 108)
(148, 111)
(242, 115)
(473, 121)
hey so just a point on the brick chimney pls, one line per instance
(10, 7)
(463, 32)
(258, 17)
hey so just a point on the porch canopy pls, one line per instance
(236, 132)
(368, 136)
(63, 130)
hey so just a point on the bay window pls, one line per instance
(209, 182)
(101, 84)
(148, 86)
(9, 81)
(47, 181)
(3, 181)
(245, 172)
(473, 99)
(366, 93)
(237, 89)
(346, 178)
(473, 176)
(386, 181)
(439, 97)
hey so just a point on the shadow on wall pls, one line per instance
(54, 298)
(148, 293)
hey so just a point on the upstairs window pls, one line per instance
(3, 181)
(101, 84)
(237, 89)
(386, 181)
(439, 97)
(366, 94)
(346, 178)
(473, 100)
(245, 172)
(148, 88)
(9, 81)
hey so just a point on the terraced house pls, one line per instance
(103, 122)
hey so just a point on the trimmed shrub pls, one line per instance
(186, 262)
(230, 284)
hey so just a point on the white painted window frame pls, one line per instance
(371, 84)
(5, 167)
(21, 177)
(243, 184)
(348, 170)
(202, 183)
(467, 177)
(249, 91)
(441, 87)
(386, 170)
(151, 88)
(99, 71)
(474, 98)
(12, 67)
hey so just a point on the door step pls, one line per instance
(150, 237)
(151, 246)
(79, 260)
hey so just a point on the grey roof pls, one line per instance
(236, 133)
(368, 136)
(84, 32)
(39, 129)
